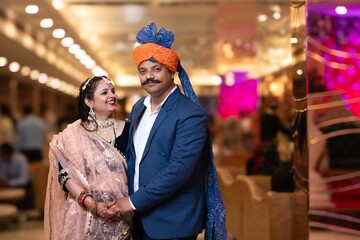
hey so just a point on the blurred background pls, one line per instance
(279, 80)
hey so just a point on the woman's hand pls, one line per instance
(103, 209)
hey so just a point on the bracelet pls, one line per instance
(63, 177)
(82, 203)
(81, 200)
(63, 180)
(80, 197)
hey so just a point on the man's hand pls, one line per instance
(122, 205)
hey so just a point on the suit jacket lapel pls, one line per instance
(135, 121)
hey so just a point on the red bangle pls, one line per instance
(83, 200)
(80, 198)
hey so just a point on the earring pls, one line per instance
(91, 116)
(92, 121)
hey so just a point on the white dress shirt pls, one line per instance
(142, 132)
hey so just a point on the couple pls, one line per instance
(165, 188)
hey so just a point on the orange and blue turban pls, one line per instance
(155, 46)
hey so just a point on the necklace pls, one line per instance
(107, 127)
(106, 123)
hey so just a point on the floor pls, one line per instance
(33, 230)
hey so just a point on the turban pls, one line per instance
(155, 46)
(163, 55)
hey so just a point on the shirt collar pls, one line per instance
(147, 100)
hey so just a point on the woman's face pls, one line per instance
(104, 101)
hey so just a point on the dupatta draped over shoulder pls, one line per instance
(99, 169)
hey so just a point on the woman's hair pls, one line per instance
(86, 90)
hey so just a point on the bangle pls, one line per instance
(63, 177)
(81, 197)
(81, 200)
(63, 180)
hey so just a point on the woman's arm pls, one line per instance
(85, 200)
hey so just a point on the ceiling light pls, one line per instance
(80, 54)
(34, 74)
(58, 4)
(43, 77)
(341, 10)
(262, 18)
(3, 61)
(276, 15)
(74, 48)
(67, 42)
(14, 66)
(98, 71)
(293, 40)
(10, 29)
(25, 71)
(46, 23)
(59, 33)
(32, 9)
(216, 80)
(55, 83)
(27, 41)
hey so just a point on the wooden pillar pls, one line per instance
(301, 176)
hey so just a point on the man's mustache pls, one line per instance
(150, 81)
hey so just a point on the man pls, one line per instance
(169, 154)
(31, 135)
(15, 173)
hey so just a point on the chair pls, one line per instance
(39, 173)
(236, 163)
(8, 213)
(253, 212)
(230, 193)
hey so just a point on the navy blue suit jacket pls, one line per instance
(171, 195)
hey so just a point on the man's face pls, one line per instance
(155, 78)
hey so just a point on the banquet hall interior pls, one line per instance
(282, 68)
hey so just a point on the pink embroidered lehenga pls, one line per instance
(98, 168)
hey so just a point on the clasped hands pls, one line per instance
(114, 208)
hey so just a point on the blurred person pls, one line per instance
(15, 173)
(31, 135)
(88, 169)
(271, 125)
(172, 177)
(266, 156)
(7, 125)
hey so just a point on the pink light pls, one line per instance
(341, 10)
(240, 97)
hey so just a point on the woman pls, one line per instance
(88, 156)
